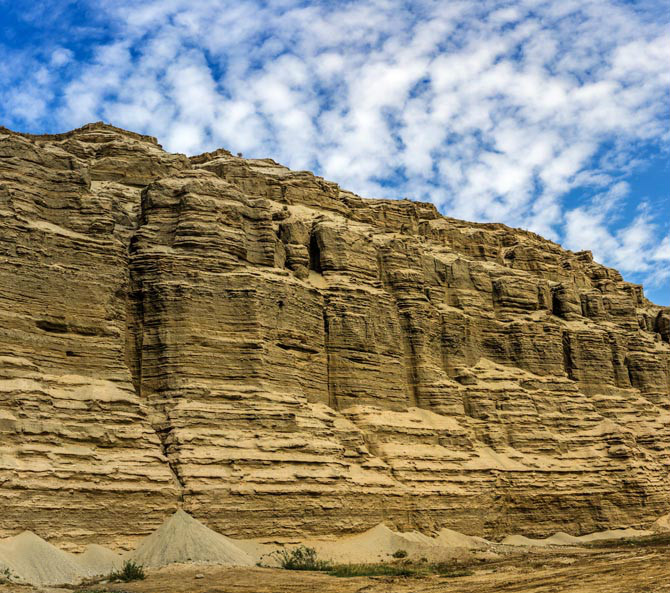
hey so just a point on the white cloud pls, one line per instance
(61, 56)
(633, 248)
(662, 252)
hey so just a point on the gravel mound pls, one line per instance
(455, 539)
(662, 524)
(97, 560)
(614, 534)
(37, 562)
(522, 540)
(375, 545)
(183, 539)
(564, 539)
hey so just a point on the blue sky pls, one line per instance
(547, 115)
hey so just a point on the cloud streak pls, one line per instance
(492, 110)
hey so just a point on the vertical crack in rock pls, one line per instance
(410, 357)
(314, 253)
(631, 379)
(332, 398)
(159, 420)
(568, 363)
(380, 269)
(134, 330)
(164, 435)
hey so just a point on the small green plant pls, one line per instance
(129, 572)
(400, 554)
(6, 576)
(300, 558)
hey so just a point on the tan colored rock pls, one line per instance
(280, 357)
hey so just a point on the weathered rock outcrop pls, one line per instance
(278, 356)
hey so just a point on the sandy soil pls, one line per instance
(639, 566)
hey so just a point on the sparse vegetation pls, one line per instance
(397, 569)
(101, 591)
(300, 558)
(374, 570)
(6, 576)
(642, 541)
(129, 572)
(446, 569)
(304, 558)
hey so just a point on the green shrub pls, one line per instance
(300, 558)
(400, 554)
(129, 572)
(6, 576)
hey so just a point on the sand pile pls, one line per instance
(417, 537)
(662, 524)
(97, 560)
(561, 538)
(564, 539)
(613, 534)
(184, 539)
(37, 562)
(454, 539)
(375, 545)
(522, 540)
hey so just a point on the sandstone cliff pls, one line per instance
(279, 357)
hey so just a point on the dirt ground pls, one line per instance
(627, 567)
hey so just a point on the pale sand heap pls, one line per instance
(561, 538)
(614, 534)
(564, 539)
(454, 539)
(97, 560)
(375, 545)
(522, 540)
(662, 524)
(37, 562)
(184, 539)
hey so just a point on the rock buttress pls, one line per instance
(79, 459)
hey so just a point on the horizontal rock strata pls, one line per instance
(280, 357)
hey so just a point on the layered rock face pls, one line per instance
(280, 357)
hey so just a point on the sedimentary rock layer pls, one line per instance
(281, 357)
